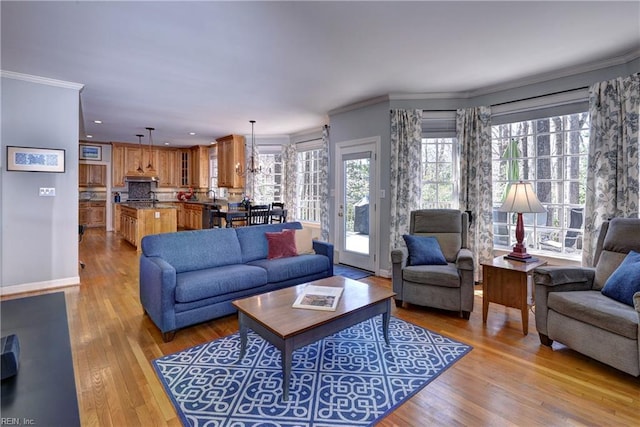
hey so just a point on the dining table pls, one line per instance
(231, 214)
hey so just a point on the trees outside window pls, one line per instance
(268, 183)
(439, 173)
(551, 153)
(308, 185)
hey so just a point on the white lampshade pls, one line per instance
(522, 199)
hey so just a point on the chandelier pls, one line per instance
(150, 165)
(253, 167)
(140, 170)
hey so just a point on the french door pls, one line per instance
(356, 203)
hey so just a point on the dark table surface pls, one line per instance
(43, 392)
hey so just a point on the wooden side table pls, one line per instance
(504, 282)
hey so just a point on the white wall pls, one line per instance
(39, 241)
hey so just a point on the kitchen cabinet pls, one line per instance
(192, 216)
(90, 175)
(118, 171)
(137, 222)
(92, 214)
(168, 167)
(175, 167)
(200, 167)
(137, 157)
(231, 153)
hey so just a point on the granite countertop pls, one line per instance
(147, 205)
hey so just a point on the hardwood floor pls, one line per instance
(507, 379)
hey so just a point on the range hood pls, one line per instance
(141, 178)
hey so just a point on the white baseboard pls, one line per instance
(40, 286)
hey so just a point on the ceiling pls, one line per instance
(210, 67)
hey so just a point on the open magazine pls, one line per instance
(319, 298)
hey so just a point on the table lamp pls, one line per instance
(521, 199)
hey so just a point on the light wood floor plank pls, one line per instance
(508, 379)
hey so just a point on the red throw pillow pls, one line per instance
(282, 244)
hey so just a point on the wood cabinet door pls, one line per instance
(168, 168)
(97, 175)
(200, 166)
(230, 156)
(118, 170)
(83, 174)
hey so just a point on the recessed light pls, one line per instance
(166, 143)
(89, 136)
(192, 133)
(97, 122)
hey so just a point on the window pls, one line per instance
(551, 153)
(213, 179)
(439, 174)
(308, 185)
(268, 184)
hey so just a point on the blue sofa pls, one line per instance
(188, 277)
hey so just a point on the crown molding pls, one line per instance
(41, 80)
(624, 58)
(557, 74)
(359, 104)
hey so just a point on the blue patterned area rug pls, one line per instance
(351, 378)
(350, 272)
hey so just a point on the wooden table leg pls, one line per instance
(385, 321)
(287, 359)
(243, 334)
(485, 293)
(524, 307)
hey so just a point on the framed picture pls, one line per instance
(90, 152)
(27, 159)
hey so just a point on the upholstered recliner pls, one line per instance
(571, 307)
(448, 286)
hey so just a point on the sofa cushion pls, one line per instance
(281, 244)
(596, 309)
(199, 284)
(281, 269)
(253, 242)
(196, 249)
(424, 250)
(625, 280)
(438, 275)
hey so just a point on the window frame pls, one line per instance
(312, 211)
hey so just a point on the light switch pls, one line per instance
(47, 191)
(157, 214)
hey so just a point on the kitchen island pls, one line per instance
(134, 220)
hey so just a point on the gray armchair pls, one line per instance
(571, 309)
(448, 287)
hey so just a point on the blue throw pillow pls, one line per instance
(625, 280)
(424, 250)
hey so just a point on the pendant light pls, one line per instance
(150, 165)
(140, 170)
(252, 165)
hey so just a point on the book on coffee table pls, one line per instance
(319, 298)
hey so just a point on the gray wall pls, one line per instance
(39, 234)
(373, 120)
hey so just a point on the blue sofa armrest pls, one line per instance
(326, 249)
(157, 291)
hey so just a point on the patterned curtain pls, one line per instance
(406, 166)
(324, 189)
(290, 174)
(612, 164)
(473, 128)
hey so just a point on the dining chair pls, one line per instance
(258, 214)
(279, 217)
(215, 221)
(238, 221)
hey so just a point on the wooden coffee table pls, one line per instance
(271, 316)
